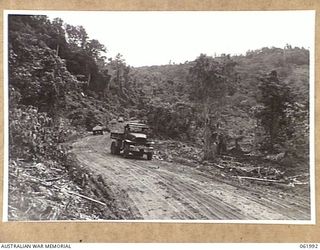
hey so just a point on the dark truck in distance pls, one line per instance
(132, 140)
(97, 130)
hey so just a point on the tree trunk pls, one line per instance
(89, 79)
(57, 50)
(274, 131)
(210, 145)
(119, 80)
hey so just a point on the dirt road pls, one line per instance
(158, 190)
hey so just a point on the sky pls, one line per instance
(158, 37)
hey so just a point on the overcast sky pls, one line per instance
(155, 38)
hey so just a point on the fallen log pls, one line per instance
(259, 179)
(300, 183)
(84, 197)
(218, 166)
(56, 179)
(299, 175)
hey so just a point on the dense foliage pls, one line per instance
(57, 72)
(274, 99)
(241, 94)
(210, 82)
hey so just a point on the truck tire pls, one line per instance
(149, 156)
(113, 148)
(117, 150)
(126, 151)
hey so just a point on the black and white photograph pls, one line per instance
(159, 116)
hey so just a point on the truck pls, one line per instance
(97, 130)
(132, 140)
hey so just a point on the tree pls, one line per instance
(120, 71)
(57, 37)
(297, 144)
(275, 97)
(76, 36)
(94, 48)
(98, 75)
(210, 80)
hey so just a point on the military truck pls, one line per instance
(132, 140)
(97, 130)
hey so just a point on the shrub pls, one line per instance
(32, 134)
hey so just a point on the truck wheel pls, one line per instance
(126, 150)
(101, 132)
(113, 148)
(149, 156)
(117, 150)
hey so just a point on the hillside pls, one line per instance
(168, 88)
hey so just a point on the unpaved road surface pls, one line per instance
(158, 190)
